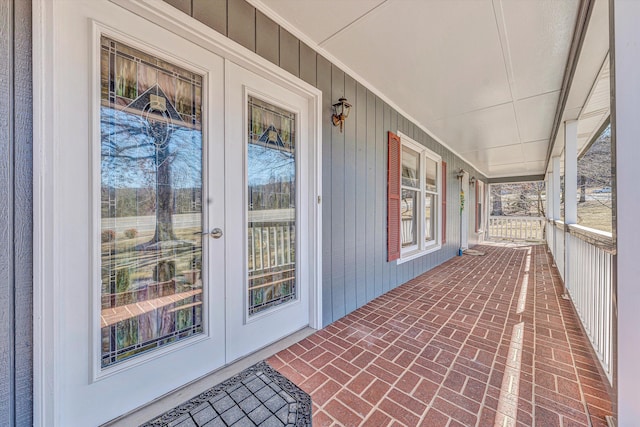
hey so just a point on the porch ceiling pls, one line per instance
(483, 77)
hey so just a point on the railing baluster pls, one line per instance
(589, 286)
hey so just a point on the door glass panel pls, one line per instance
(151, 203)
(271, 171)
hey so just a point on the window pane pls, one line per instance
(151, 203)
(432, 173)
(408, 211)
(430, 215)
(271, 233)
(410, 168)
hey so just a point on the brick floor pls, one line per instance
(478, 341)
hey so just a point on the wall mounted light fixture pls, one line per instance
(472, 180)
(341, 111)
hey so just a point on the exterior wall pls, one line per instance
(354, 164)
(15, 214)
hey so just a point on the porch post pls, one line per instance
(570, 193)
(549, 194)
(625, 128)
(556, 187)
(571, 172)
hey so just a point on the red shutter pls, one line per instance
(393, 197)
(477, 206)
(444, 202)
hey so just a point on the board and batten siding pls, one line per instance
(354, 163)
(16, 215)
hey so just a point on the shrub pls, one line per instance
(108, 236)
(123, 280)
(131, 233)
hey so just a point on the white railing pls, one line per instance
(550, 236)
(516, 227)
(589, 283)
(558, 252)
(271, 246)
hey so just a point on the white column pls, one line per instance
(571, 172)
(549, 194)
(555, 164)
(570, 193)
(625, 46)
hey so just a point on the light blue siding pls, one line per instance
(354, 168)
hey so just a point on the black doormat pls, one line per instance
(257, 396)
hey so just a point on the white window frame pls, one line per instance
(423, 247)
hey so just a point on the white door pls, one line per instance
(146, 294)
(268, 202)
(464, 216)
(139, 291)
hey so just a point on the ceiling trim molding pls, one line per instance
(262, 7)
(512, 179)
(582, 23)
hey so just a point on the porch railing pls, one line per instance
(589, 277)
(516, 227)
(584, 258)
(556, 231)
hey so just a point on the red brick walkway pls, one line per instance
(477, 341)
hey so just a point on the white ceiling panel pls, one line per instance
(594, 51)
(499, 155)
(482, 76)
(535, 116)
(448, 52)
(535, 60)
(483, 129)
(586, 126)
(535, 151)
(513, 169)
(599, 98)
(535, 167)
(320, 19)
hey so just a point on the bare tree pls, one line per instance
(137, 148)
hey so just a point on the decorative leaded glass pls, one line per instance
(151, 202)
(271, 167)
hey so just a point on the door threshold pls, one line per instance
(180, 395)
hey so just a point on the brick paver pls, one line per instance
(478, 341)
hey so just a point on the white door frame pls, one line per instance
(46, 275)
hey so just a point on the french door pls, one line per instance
(268, 262)
(182, 204)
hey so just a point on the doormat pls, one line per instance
(473, 252)
(257, 396)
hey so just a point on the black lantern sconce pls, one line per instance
(472, 180)
(341, 111)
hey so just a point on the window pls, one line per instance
(409, 199)
(420, 204)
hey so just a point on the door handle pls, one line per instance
(216, 233)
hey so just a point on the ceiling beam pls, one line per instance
(512, 179)
(582, 22)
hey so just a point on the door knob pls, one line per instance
(216, 233)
